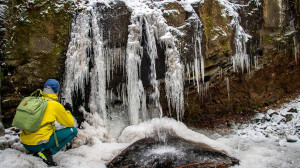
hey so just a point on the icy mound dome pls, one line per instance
(159, 128)
(164, 148)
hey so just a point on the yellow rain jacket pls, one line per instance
(54, 111)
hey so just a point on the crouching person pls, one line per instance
(46, 142)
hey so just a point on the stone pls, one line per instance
(259, 117)
(41, 45)
(2, 130)
(231, 124)
(278, 119)
(175, 14)
(289, 117)
(293, 110)
(271, 13)
(291, 138)
(268, 118)
(175, 152)
(272, 112)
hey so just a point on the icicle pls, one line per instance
(281, 13)
(228, 87)
(98, 73)
(152, 52)
(174, 76)
(198, 64)
(135, 88)
(296, 43)
(241, 58)
(198, 46)
(255, 61)
(296, 50)
(78, 58)
(188, 73)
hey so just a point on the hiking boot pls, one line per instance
(46, 155)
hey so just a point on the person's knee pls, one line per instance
(74, 131)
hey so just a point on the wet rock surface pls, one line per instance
(172, 152)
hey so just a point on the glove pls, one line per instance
(68, 107)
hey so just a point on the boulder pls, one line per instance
(291, 138)
(173, 152)
(2, 130)
(289, 117)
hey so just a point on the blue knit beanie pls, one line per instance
(54, 84)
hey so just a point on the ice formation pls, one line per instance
(240, 59)
(78, 57)
(89, 62)
(98, 73)
(228, 87)
(135, 88)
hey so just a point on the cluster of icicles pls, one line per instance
(89, 62)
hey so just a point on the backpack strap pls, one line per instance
(56, 141)
(53, 128)
(37, 93)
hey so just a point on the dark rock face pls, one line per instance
(175, 152)
(114, 21)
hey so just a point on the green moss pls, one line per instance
(208, 20)
(37, 38)
(225, 47)
(241, 108)
(267, 39)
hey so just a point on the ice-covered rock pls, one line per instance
(293, 110)
(291, 138)
(277, 119)
(176, 152)
(272, 112)
(289, 117)
(259, 117)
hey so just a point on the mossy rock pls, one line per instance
(218, 33)
(36, 43)
(41, 35)
(175, 14)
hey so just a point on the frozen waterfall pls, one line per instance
(90, 65)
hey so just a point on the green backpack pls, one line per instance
(30, 112)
